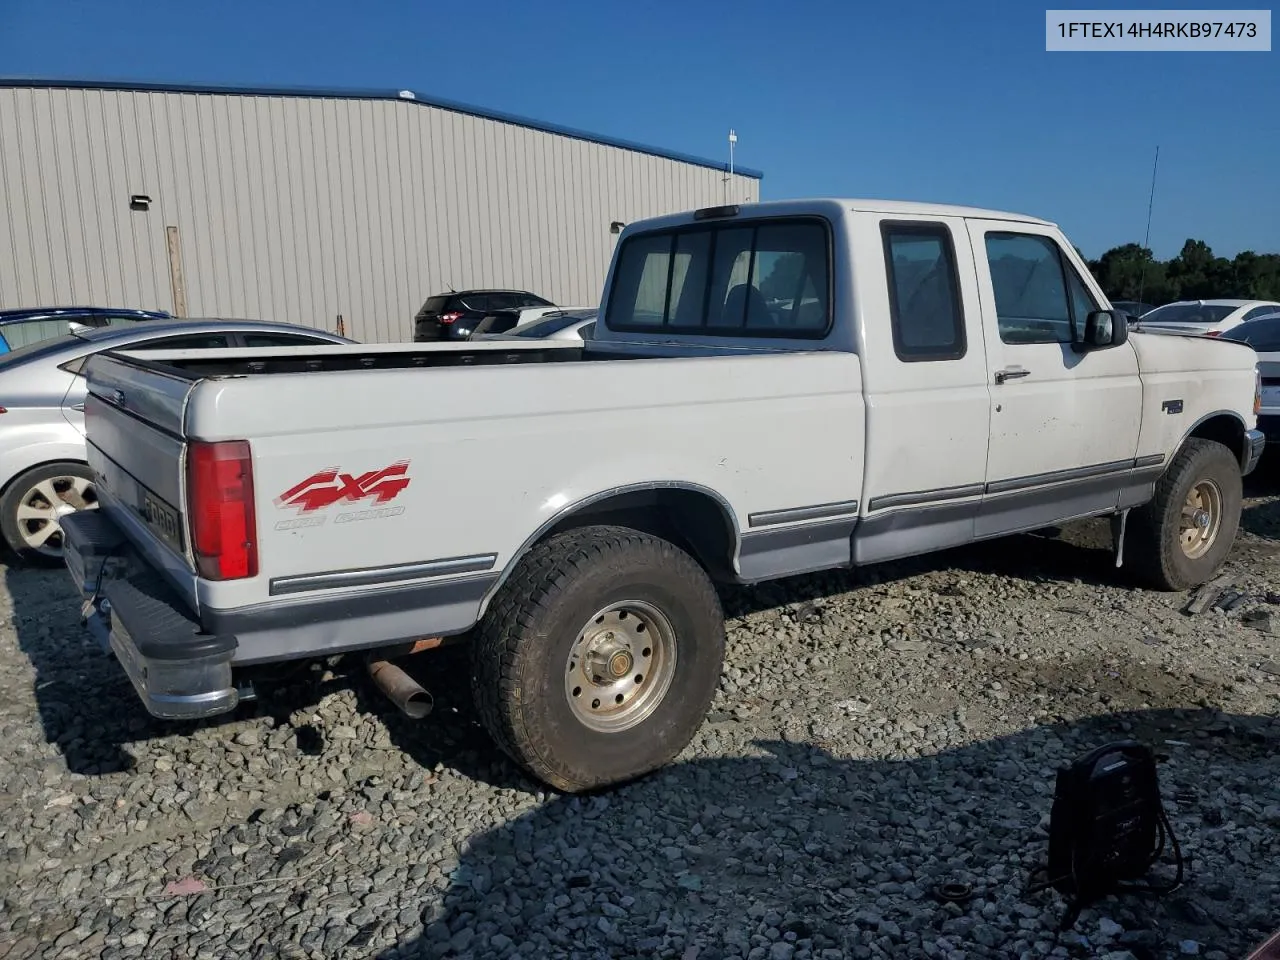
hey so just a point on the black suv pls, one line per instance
(454, 316)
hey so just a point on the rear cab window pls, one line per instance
(756, 278)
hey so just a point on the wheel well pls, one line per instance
(1225, 429)
(694, 521)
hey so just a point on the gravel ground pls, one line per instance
(876, 734)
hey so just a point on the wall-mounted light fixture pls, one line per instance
(616, 226)
(139, 201)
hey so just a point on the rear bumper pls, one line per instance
(177, 670)
(1255, 442)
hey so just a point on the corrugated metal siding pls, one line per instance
(300, 209)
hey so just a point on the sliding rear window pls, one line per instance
(761, 278)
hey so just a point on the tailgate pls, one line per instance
(134, 429)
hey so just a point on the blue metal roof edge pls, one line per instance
(378, 94)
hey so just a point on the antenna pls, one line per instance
(733, 138)
(1142, 275)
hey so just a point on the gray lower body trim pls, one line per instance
(1009, 507)
(769, 554)
(369, 576)
(1022, 509)
(905, 533)
(322, 626)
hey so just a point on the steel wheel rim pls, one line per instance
(621, 666)
(42, 507)
(1201, 519)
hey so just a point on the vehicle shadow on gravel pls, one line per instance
(85, 702)
(799, 852)
(82, 696)
(1262, 519)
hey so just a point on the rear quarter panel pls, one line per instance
(493, 453)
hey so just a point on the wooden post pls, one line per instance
(175, 272)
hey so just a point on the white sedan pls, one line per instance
(1204, 318)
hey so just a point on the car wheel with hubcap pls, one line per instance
(34, 504)
(1180, 538)
(599, 657)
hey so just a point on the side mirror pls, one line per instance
(1105, 328)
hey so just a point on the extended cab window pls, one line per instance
(1039, 296)
(924, 291)
(755, 278)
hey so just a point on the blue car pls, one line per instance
(20, 328)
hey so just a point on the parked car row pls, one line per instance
(475, 313)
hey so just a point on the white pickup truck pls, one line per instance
(770, 390)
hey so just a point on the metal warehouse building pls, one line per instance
(306, 205)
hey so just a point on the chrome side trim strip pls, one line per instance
(372, 576)
(818, 511)
(1059, 476)
(927, 496)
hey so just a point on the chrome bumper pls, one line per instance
(1255, 441)
(178, 671)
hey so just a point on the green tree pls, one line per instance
(1130, 272)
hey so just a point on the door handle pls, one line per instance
(1011, 373)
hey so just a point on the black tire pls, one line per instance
(1152, 541)
(12, 528)
(522, 650)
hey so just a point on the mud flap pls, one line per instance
(1118, 521)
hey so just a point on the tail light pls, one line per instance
(1214, 333)
(451, 316)
(220, 504)
(1257, 391)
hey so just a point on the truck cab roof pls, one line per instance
(831, 206)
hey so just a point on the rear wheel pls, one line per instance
(1182, 536)
(34, 504)
(597, 661)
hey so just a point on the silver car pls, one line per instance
(44, 474)
(561, 325)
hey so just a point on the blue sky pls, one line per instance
(954, 102)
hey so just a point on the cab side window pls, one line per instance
(924, 291)
(1039, 296)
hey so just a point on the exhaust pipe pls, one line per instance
(401, 689)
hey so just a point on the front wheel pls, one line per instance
(598, 660)
(1182, 536)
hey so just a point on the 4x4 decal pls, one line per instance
(326, 487)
